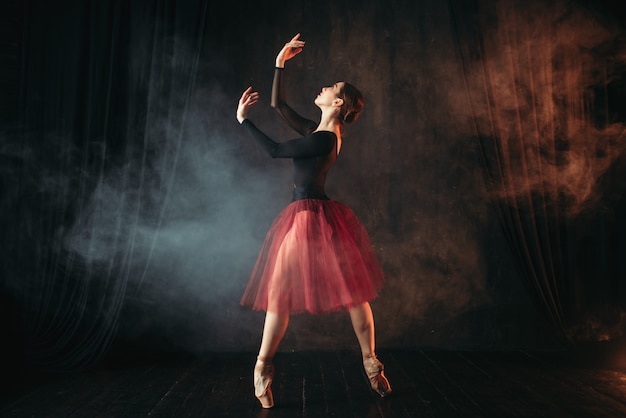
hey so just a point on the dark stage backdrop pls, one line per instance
(488, 167)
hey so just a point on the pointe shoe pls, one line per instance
(375, 372)
(263, 375)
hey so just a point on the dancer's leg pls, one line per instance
(275, 324)
(273, 333)
(363, 324)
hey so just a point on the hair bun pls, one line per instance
(352, 103)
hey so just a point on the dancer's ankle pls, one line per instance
(264, 360)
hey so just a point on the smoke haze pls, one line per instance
(539, 85)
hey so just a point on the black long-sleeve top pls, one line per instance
(313, 153)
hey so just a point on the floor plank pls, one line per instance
(426, 383)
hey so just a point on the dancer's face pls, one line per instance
(330, 96)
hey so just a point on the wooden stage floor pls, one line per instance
(426, 383)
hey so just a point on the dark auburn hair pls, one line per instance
(352, 103)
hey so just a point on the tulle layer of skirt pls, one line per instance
(316, 258)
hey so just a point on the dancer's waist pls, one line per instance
(308, 192)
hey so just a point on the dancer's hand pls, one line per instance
(290, 50)
(247, 100)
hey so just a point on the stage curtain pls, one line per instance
(102, 84)
(540, 81)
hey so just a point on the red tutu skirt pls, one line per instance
(316, 258)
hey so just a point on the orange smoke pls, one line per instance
(533, 92)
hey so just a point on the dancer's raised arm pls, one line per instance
(300, 124)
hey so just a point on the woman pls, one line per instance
(317, 256)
